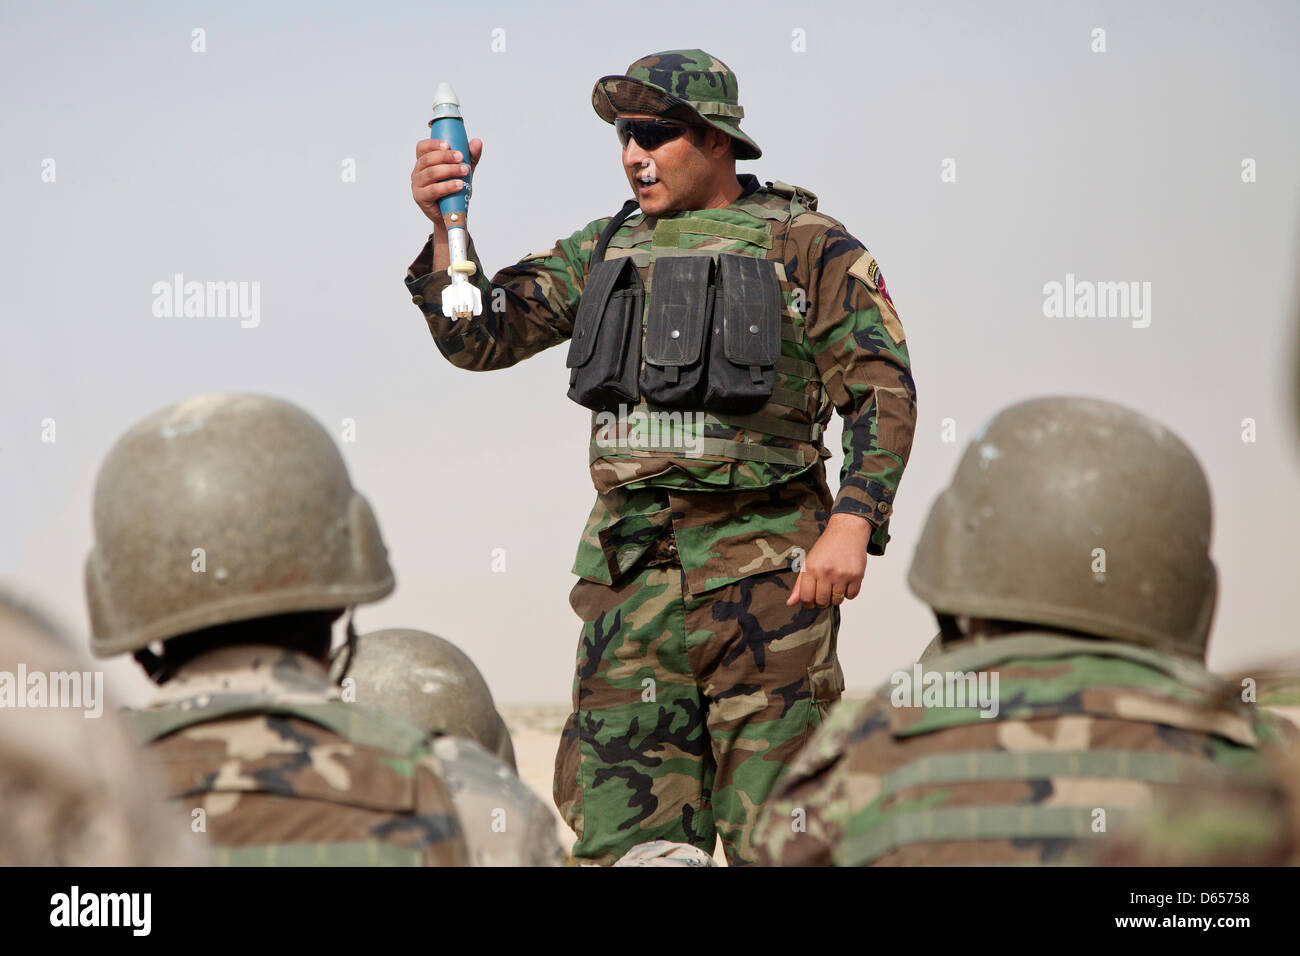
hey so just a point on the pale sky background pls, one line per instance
(226, 165)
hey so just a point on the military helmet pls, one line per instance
(224, 508)
(687, 85)
(1077, 514)
(430, 682)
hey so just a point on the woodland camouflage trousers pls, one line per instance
(687, 708)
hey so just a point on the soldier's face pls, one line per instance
(674, 177)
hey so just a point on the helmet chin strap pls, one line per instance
(155, 665)
(344, 653)
(949, 630)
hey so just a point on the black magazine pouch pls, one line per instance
(747, 320)
(605, 350)
(677, 326)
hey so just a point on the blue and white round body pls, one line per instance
(462, 298)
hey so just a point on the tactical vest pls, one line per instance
(689, 344)
(355, 725)
(1201, 709)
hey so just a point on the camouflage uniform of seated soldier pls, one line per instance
(1068, 566)
(430, 682)
(75, 791)
(228, 539)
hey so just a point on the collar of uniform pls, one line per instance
(248, 670)
(759, 201)
(980, 650)
(1172, 690)
(754, 199)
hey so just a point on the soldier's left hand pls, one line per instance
(833, 570)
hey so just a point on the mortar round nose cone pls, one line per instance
(445, 94)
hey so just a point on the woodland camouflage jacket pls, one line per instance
(1085, 736)
(286, 774)
(842, 349)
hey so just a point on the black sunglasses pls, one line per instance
(649, 134)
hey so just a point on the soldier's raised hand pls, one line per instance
(438, 172)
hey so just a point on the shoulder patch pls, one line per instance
(867, 270)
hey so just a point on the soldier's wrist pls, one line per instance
(851, 522)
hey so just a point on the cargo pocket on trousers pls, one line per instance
(826, 686)
(566, 788)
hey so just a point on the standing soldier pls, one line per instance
(228, 539)
(1068, 563)
(713, 326)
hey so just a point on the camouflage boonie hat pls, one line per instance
(687, 85)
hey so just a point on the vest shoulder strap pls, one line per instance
(801, 200)
(598, 253)
(1036, 644)
(318, 854)
(359, 725)
(1167, 690)
(973, 823)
